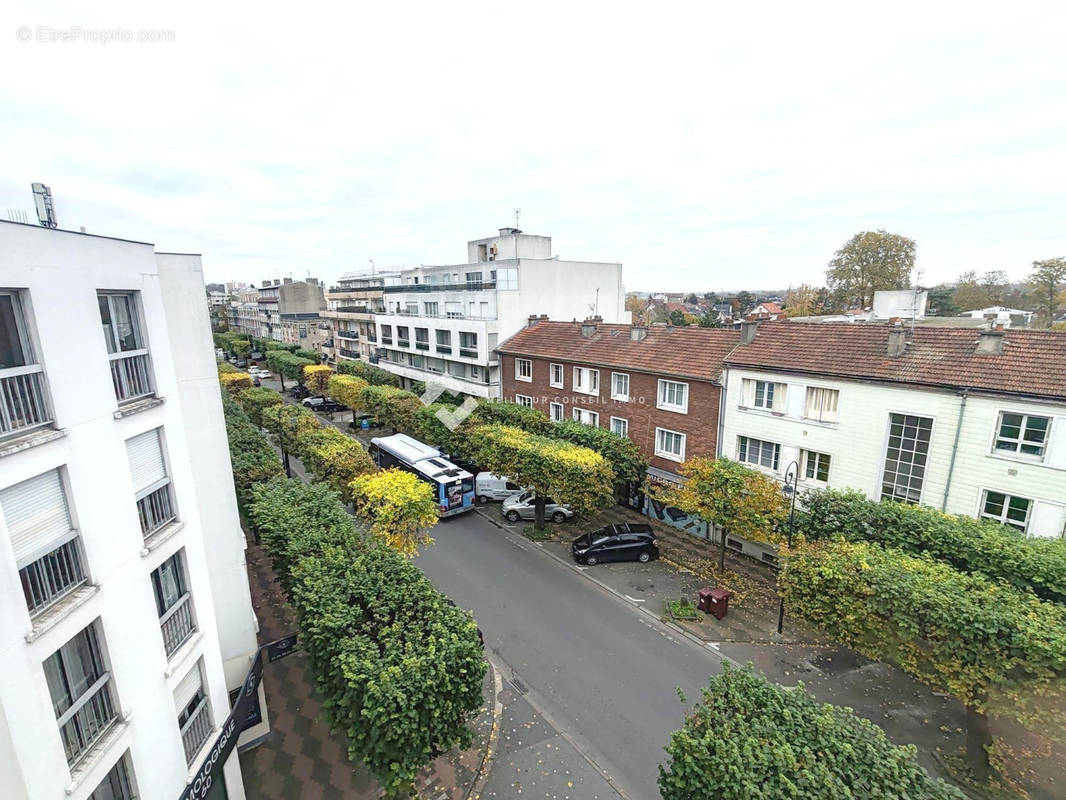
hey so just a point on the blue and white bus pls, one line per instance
(453, 486)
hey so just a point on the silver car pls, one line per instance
(521, 507)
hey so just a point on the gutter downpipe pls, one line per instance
(954, 450)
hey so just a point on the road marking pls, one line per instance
(633, 599)
(713, 645)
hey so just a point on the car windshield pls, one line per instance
(525, 497)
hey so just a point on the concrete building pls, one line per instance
(1001, 315)
(126, 609)
(443, 323)
(285, 300)
(351, 306)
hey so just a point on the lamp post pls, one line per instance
(790, 489)
(285, 441)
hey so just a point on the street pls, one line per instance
(602, 674)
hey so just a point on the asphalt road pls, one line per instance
(600, 672)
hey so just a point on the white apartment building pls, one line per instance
(351, 306)
(967, 421)
(126, 613)
(442, 323)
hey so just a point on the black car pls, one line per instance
(323, 404)
(299, 392)
(618, 542)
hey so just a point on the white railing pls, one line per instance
(195, 730)
(177, 624)
(131, 375)
(155, 510)
(87, 719)
(23, 404)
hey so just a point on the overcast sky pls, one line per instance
(704, 148)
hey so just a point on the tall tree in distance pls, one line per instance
(1045, 279)
(995, 284)
(969, 295)
(638, 308)
(870, 261)
(802, 301)
(942, 302)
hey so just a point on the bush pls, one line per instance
(235, 382)
(752, 739)
(226, 368)
(393, 407)
(622, 454)
(971, 545)
(253, 401)
(375, 376)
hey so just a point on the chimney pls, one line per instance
(747, 331)
(638, 333)
(897, 342)
(990, 343)
(533, 320)
(588, 328)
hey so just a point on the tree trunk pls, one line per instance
(721, 551)
(281, 378)
(538, 517)
(978, 739)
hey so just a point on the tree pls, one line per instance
(252, 458)
(621, 454)
(750, 738)
(710, 297)
(235, 382)
(870, 261)
(397, 506)
(569, 474)
(287, 424)
(969, 295)
(395, 408)
(375, 376)
(745, 302)
(316, 378)
(253, 401)
(638, 308)
(677, 318)
(286, 365)
(742, 501)
(692, 300)
(710, 319)
(802, 301)
(500, 412)
(1045, 279)
(941, 302)
(334, 459)
(347, 390)
(430, 429)
(995, 283)
(241, 348)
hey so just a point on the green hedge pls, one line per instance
(971, 545)
(752, 739)
(513, 415)
(253, 459)
(375, 376)
(622, 454)
(391, 406)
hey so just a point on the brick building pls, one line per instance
(659, 386)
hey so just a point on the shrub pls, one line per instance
(235, 382)
(393, 407)
(226, 368)
(397, 506)
(622, 454)
(334, 459)
(253, 401)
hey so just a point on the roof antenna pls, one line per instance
(517, 214)
(46, 210)
(373, 269)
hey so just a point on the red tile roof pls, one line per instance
(689, 352)
(1032, 362)
(771, 308)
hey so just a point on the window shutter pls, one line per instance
(780, 397)
(1047, 519)
(749, 393)
(186, 690)
(38, 520)
(1056, 446)
(147, 467)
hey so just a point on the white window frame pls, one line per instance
(769, 389)
(911, 464)
(661, 403)
(558, 412)
(624, 426)
(557, 384)
(745, 458)
(520, 367)
(624, 397)
(586, 417)
(593, 381)
(1002, 517)
(667, 454)
(817, 458)
(1017, 451)
(824, 416)
(524, 400)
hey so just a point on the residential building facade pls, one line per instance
(122, 630)
(284, 304)
(349, 315)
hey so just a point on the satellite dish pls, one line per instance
(46, 210)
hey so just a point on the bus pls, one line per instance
(452, 486)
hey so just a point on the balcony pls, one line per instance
(196, 730)
(403, 342)
(51, 577)
(348, 353)
(177, 624)
(131, 375)
(23, 404)
(470, 286)
(420, 345)
(467, 352)
(87, 719)
(350, 335)
(444, 348)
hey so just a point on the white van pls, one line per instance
(493, 487)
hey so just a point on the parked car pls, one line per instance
(619, 542)
(299, 391)
(255, 380)
(520, 506)
(488, 486)
(262, 373)
(241, 363)
(323, 404)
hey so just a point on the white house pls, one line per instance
(126, 613)
(966, 421)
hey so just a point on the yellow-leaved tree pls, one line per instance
(347, 390)
(316, 378)
(235, 382)
(334, 458)
(396, 506)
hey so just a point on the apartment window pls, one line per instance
(1022, 433)
(117, 784)
(765, 395)
(127, 352)
(79, 684)
(468, 344)
(816, 466)
(475, 372)
(386, 334)
(673, 396)
(905, 457)
(557, 412)
(523, 369)
(586, 381)
(173, 603)
(421, 338)
(669, 444)
(620, 427)
(444, 341)
(403, 336)
(47, 548)
(473, 278)
(620, 386)
(758, 452)
(194, 713)
(432, 309)
(151, 484)
(23, 403)
(586, 417)
(1007, 509)
(821, 404)
(453, 310)
(524, 400)
(416, 361)
(411, 308)
(507, 279)
(555, 376)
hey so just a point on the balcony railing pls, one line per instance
(131, 375)
(468, 286)
(155, 510)
(386, 340)
(87, 719)
(421, 345)
(52, 576)
(177, 624)
(348, 353)
(403, 342)
(444, 348)
(195, 730)
(467, 352)
(348, 334)
(23, 404)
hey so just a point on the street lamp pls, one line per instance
(791, 490)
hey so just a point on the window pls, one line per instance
(673, 396)
(173, 603)
(453, 310)
(194, 715)
(130, 372)
(151, 484)
(586, 381)
(620, 427)
(555, 376)
(557, 412)
(586, 417)
(468, 344)
(432, 309)
(758, 452)
(117, 784)
(416, 361)
(766, 395)
(411, 308)
(523, 369)
(47, 549)
(23, 404)
(620, 386)
(475, 372)
(79, 684)
(669, 444)
(816, 466)
(1022, 433)
(421, 338)
(905, 457)
(1007, 509)
(821, 404)
(444, 341)
(507, 279)
(524, 400)
(473, 277)
(403, 336)
(386, 334)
